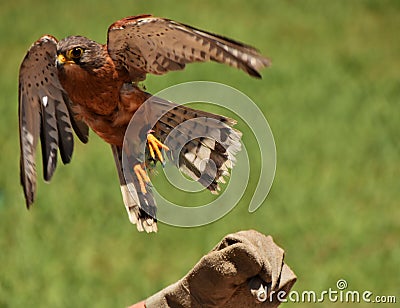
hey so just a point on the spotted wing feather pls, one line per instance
(44, 113)
(146, 44)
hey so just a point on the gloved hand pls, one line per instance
(241, 271)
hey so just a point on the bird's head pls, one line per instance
(81, 51)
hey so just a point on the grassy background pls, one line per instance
(332, 100)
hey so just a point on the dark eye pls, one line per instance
(75, 53)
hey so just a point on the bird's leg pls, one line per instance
(154, 147)
(142, 177)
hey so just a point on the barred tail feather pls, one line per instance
(203, 145)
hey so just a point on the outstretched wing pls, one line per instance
(45, 113)
(146, 44)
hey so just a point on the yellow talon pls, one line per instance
(154, 146)
(151, 151)
(142, 177)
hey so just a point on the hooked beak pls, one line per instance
(61, 60)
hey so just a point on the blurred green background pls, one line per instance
(332, 101)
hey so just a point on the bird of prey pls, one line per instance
(77, 83)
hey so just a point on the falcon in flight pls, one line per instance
(76, 83)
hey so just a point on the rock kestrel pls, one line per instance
(76, 83)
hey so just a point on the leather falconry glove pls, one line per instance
(245, 269)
